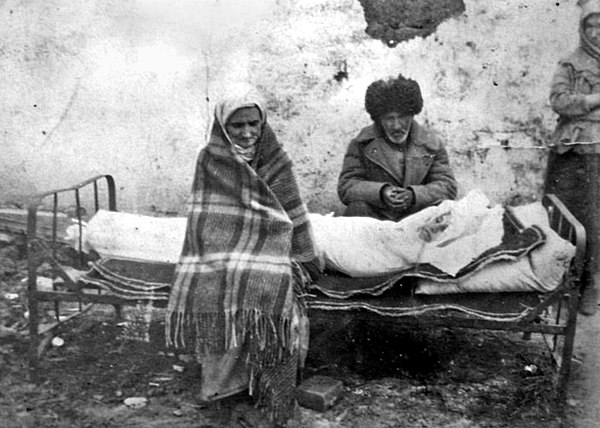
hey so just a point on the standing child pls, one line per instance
(574, 162)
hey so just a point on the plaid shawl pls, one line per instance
(234, 281)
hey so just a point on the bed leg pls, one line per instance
(34, 321)
(118, 312)
(567, 352)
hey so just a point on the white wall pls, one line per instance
(120, 87)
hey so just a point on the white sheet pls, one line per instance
(131, 236)
(448, 236)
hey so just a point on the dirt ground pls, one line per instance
(428, 378)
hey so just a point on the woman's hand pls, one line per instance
(397, 197)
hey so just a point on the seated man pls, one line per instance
(394, 167)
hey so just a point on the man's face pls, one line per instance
(592, 28)
(396, 126)
(244, 127)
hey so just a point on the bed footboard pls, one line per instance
(61, 208)
(566, 309)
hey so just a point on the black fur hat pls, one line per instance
(401, 95)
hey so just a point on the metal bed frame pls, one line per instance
(555, 316)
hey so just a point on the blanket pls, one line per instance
(132, 279)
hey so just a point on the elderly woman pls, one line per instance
(574, 163)
(234, 300)
(395, 166)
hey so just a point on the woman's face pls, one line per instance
(396, 126)
(244, 126)
(592, 28)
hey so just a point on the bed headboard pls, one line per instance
(49, 212)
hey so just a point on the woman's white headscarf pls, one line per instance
(239, 96)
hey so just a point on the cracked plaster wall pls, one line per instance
(120, 87)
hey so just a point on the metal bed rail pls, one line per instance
(39, 251)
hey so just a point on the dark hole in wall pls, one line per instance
(394, 21)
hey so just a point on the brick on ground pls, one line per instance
(318, 392)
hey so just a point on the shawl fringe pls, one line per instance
(269, 336)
